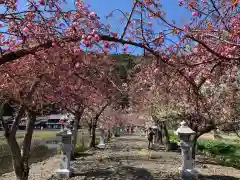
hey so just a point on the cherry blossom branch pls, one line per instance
(129, 20)
(211, 50)
(14, 55)
(4, 124)
(214, 6)
(22, 107)
(221, 39)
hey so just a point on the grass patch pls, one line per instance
(225, 151)
(173, 137)
(37, 135)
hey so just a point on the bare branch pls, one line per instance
(4, 124)
(129, 20)
(211, 50)
(22, 107)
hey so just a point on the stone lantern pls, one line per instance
(101, 144)
(154, 128)
(187, 170)
(64, 170)
(117, 131)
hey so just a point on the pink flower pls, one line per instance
(77, 64)
(185, 27)
(180, 2)
(30, 25)
(195, 14)
(150, 23)
(89, 37)
(106, 44)
(115, 34)
(93, 32)
(97, 37)
(74, 24)
(42, 2)
(25, 30)
(125, 47)
(84, 41)
(92, 15)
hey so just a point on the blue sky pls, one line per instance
(103, 7)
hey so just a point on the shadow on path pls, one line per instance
(218, 177)
(214, 162)
(127, 172)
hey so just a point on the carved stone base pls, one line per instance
(63, 173)
(189, 174)
(101, 146)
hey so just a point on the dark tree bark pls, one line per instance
(94, 124)
(78, 114)
(20, 160)
(160, 138)
(167, 141)
(194, 147)
(109, 135)
(90, 127)
(93, 138)
(27, 143)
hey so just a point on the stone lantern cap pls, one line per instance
(154, 127)
(184, 129)
(64, 133)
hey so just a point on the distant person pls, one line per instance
(150, 138)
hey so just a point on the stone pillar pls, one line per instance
(187, 170)
(64, 170)
(146, 133)
(117, 131)
(101, 144)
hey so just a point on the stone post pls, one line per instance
(64, 170)
(154, 128)
(101, 144)
(146, 133)
(117, 131)
(187, 170)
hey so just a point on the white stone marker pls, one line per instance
(101, 144)
(64, 170)
(187, 170)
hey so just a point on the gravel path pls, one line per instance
(38, 171)
(126, 158)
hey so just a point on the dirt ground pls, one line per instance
(126, 158)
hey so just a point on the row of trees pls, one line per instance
(42, 60)
(197, 78)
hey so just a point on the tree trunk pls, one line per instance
(93, 138)
(167, 141)
(27, 143)
(194, 147)
(20, 161)
(94, 124)
(16, 157)
(109, 134)
(160, 139)
(78, 115)
(90, 128)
